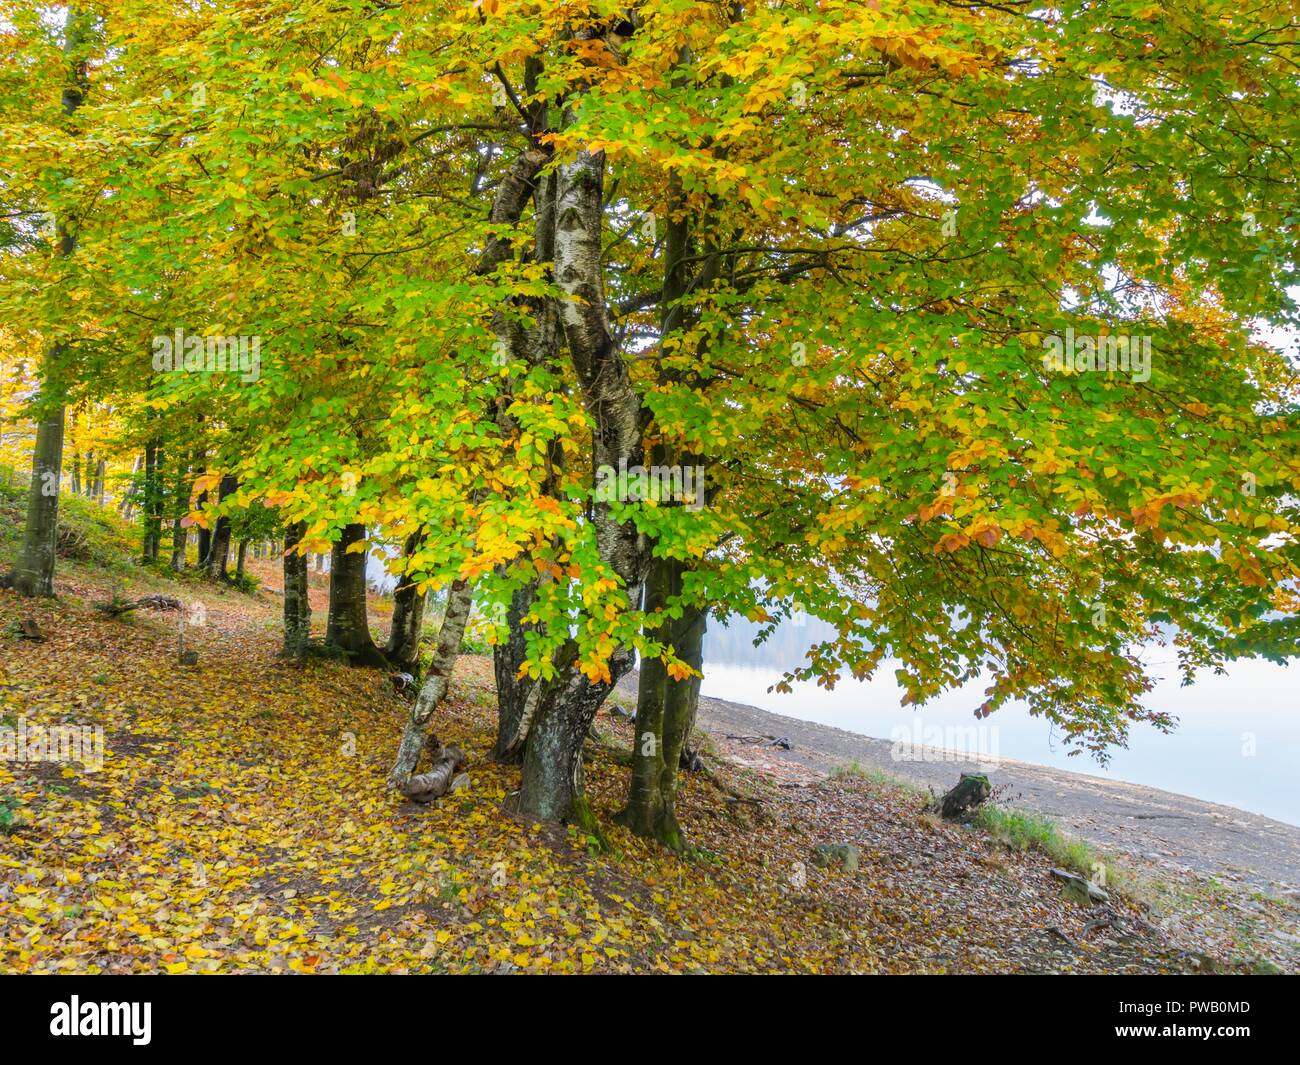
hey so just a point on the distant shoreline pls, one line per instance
(1161, 827)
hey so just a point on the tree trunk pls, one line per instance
(408, 616)
(127, 503)
(515, 711)
(219, 550)
(348, 628)
(240, 556)
(297, 606)
(460, 598)
(180, 505)
(551, 786)
(551, 783)
(447, 762)
(665, 712)
(34, 572)
(204, 537)
(75, 485)
(152, 503)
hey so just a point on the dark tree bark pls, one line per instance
(348, 628)
(403, 647)
(219, 550)
(152, 502)
(666, 707)
(551, 782)
(240, 556)
(297, 607)
(515, 711)
(179, 506)
(204, 537)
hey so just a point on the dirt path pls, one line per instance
(1152, 826)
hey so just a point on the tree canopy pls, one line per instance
(940, 321)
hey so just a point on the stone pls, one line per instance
(1081, 888)
(845, 855)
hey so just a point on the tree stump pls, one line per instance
(971, 790)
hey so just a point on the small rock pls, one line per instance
(1084, 890)
(845, 855)
(461, 783)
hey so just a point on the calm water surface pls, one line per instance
(1237, 740)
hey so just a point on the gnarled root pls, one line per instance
(447, 762)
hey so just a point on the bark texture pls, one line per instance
(348, 628)
(460, 598)
(447, 762)
(551, 784)
(297, 608)
(403, 647)
(34, 572)
(665, 711)
(219, 549)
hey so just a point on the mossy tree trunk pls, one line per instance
(665, 712)
(297, 606)
(152, 504)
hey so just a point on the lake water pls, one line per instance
(1237, 740)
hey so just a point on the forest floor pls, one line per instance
(241, 823)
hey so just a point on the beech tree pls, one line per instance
(949, 310)
(34, 572)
